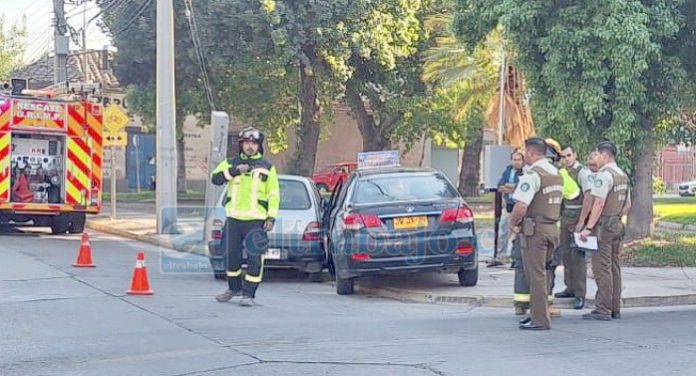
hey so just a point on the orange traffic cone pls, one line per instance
(139, 285)
(84, 257)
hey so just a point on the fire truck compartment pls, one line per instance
(37, 168)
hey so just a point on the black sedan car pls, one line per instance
(398, 220)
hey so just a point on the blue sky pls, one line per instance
(39, 15)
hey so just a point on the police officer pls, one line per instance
(534, 219)
(521, 285)
(612, 200)
(575, 272)
(253, 199)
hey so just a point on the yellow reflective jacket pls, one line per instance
(571, 189)
(253, 195)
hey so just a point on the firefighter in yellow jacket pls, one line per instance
(253, 199)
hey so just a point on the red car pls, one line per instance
(326, 180)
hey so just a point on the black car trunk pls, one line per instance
(406, 228)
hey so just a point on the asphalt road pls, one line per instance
(59, 320)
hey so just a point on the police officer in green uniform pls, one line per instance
(253, 199)
(534, 219)
(611, 201)
(575, 272)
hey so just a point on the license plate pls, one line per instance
(273, 254)
(407, 223)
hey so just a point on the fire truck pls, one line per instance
(50, 156)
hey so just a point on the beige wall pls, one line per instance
(341, 142)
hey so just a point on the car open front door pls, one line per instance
(326, 223)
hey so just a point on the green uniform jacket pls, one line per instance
(253, 195)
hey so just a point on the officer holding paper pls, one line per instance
(611, 201)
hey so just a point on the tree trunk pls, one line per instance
(470, 173)
(372, 137)
(308, 131)
(640, 217)
(181, 186)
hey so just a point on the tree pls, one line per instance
(599, 68)
(339, 42)
(472, 76)
(11, 48)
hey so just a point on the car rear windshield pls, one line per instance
(294, 195)
(402, 187)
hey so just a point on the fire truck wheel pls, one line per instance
(77, 224)
(60, 224)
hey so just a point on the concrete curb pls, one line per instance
(671, 226)
(505, 302)
(152, 240)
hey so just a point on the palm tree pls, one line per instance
(473, 76)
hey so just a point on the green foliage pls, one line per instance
(659, 186)
(665, 250)
(12, 47)
(597, 68)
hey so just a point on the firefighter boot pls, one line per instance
(246, 302)
(227, 295)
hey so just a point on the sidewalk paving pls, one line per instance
(643, 287)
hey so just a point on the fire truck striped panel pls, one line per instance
(5, 166)
(95, 121)
(84, 163)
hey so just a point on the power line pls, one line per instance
(137, 15)
(193, 28)
(109, 6)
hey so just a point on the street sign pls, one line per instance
(115, 138)
(115, 119)
(377, 159)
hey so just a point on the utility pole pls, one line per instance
(85, 60)
(61, 44)
(166, 204)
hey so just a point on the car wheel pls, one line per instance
(221, 275)
(345, 286)
(468, 277)
(59, 224)
(323, 189)
(77, 224)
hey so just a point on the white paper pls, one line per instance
(590, 244)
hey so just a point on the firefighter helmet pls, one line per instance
(251, 134)
(553, 149)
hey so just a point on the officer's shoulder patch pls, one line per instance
(524, 187)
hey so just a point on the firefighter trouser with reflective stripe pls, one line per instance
(249, 236)
(521, 289)
(520, 296)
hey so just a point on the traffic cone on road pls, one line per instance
(140, 285)
(84, 256)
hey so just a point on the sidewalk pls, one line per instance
(138, 222)
(643, 287)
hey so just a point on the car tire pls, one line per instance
(345, 286)
(323, 189)
(468, 278)
(60, 224)
(220, 275)
(77, 223)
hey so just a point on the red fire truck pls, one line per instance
(50, 159)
